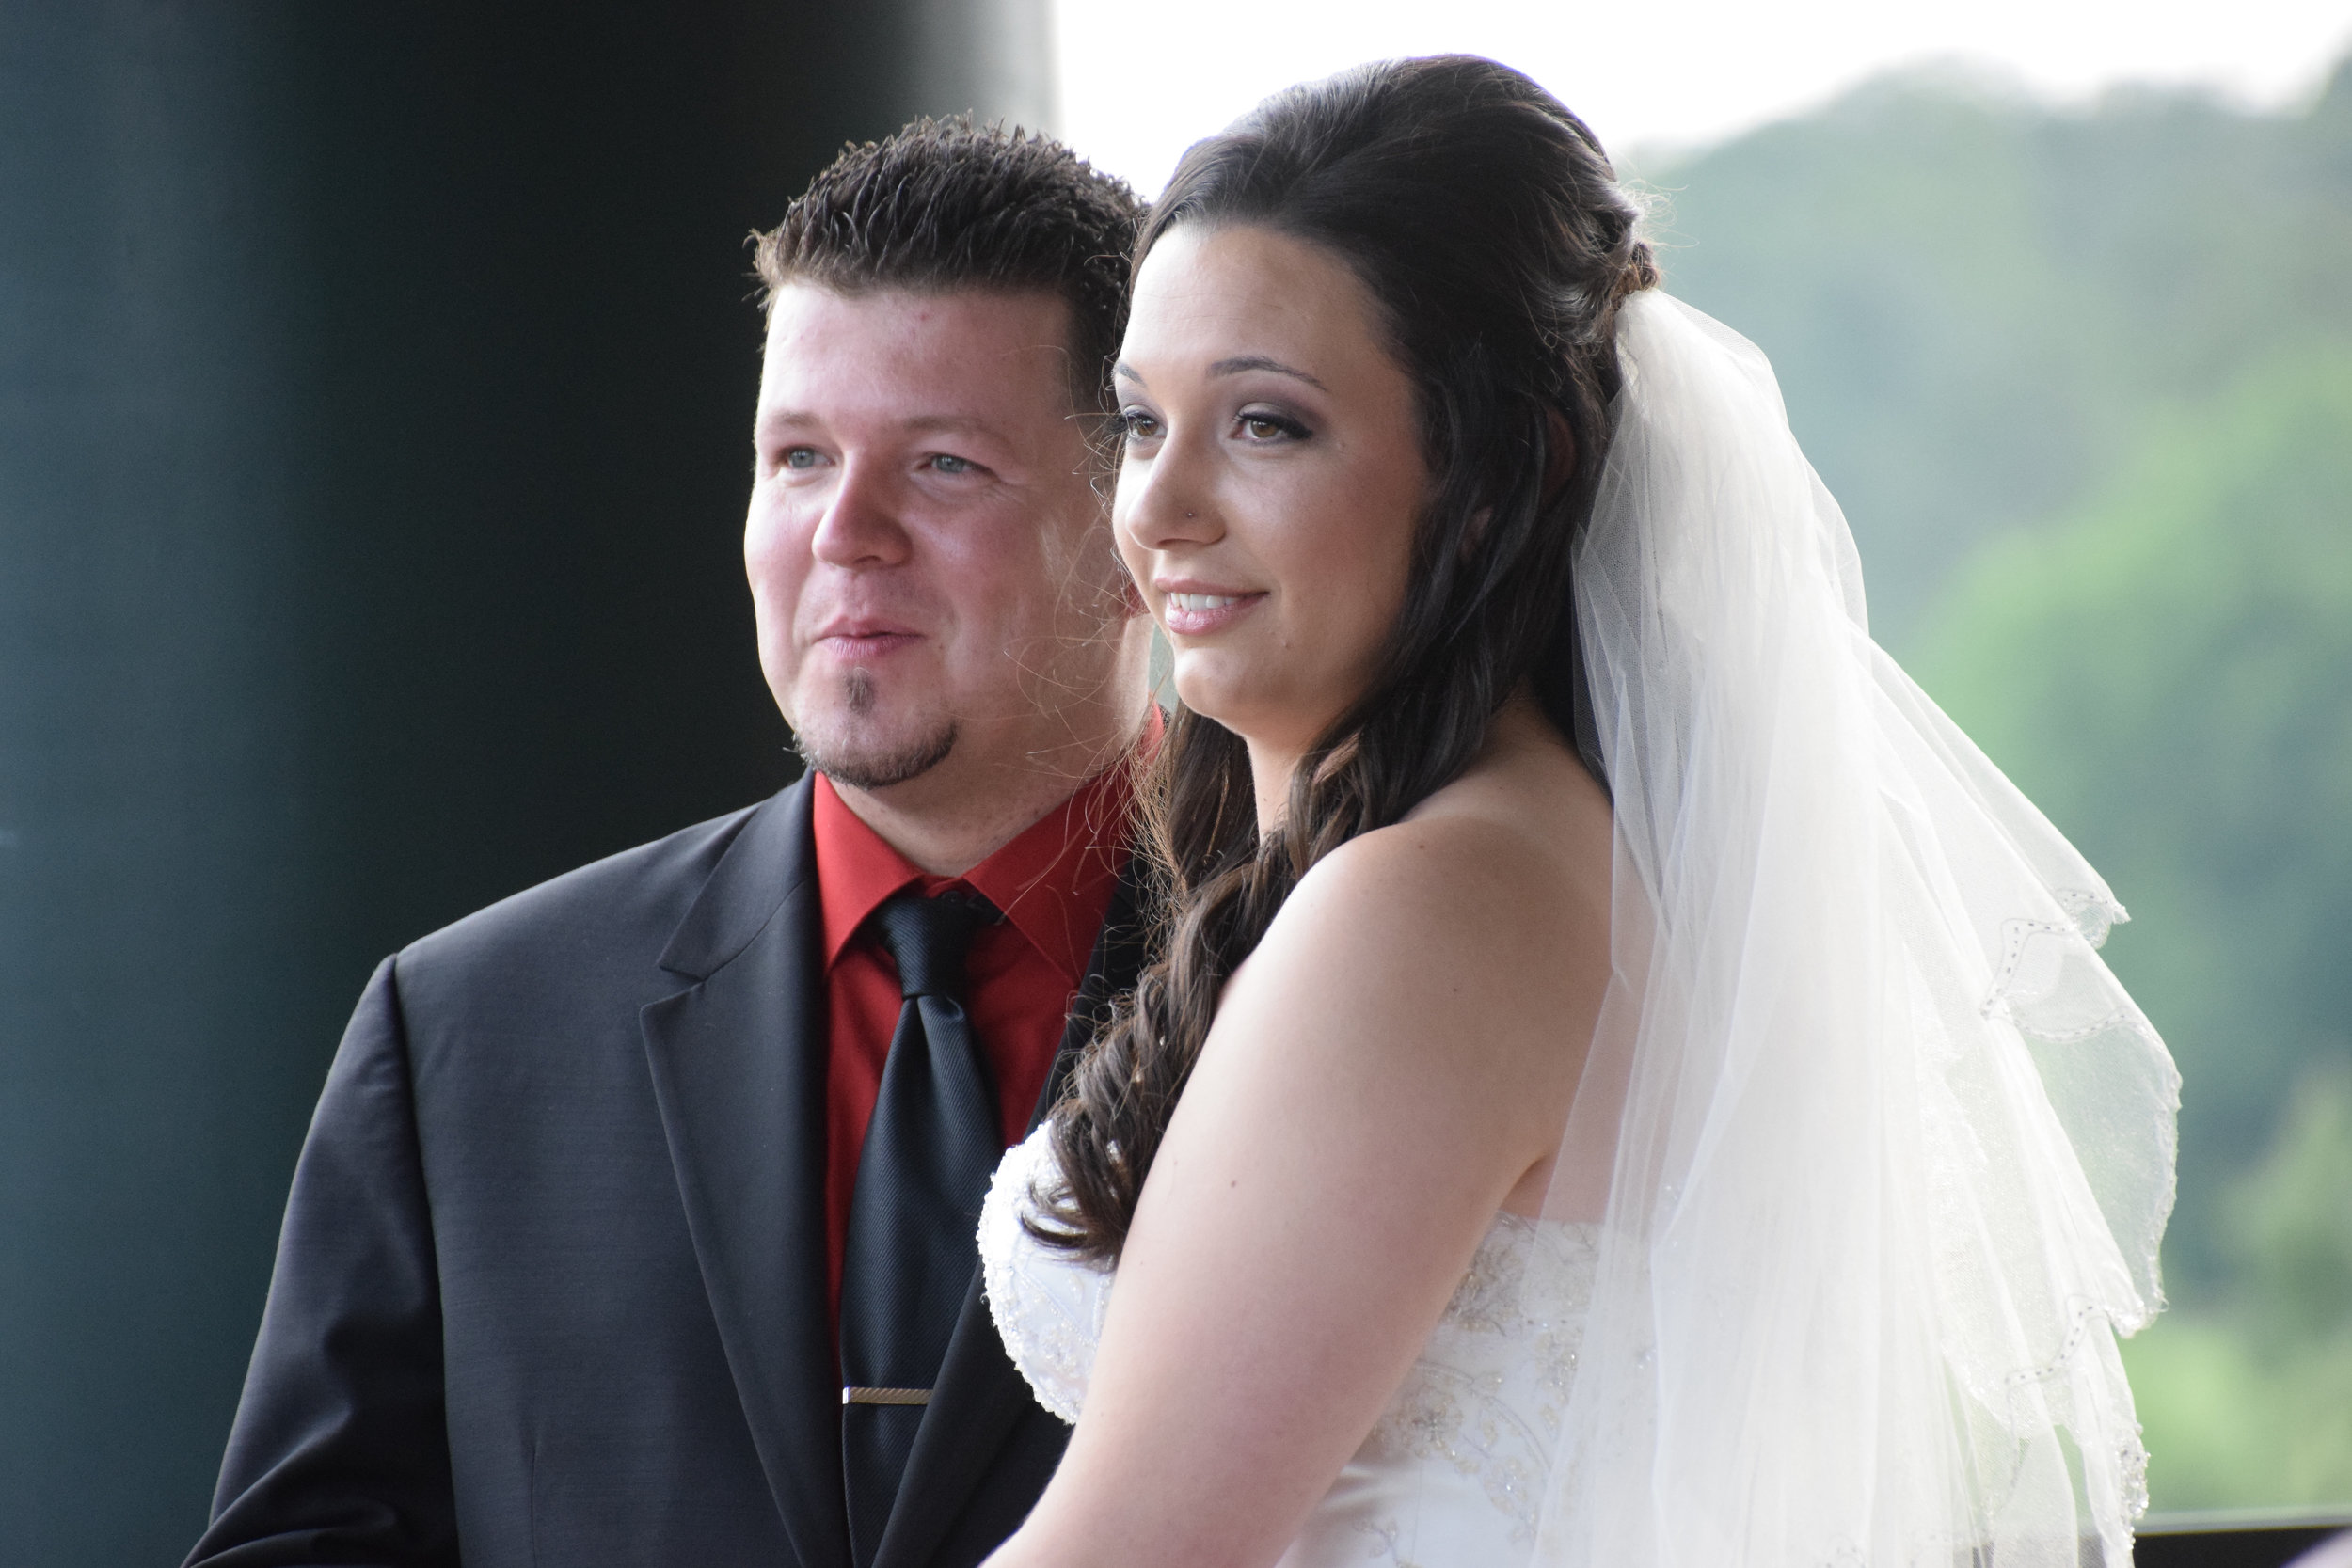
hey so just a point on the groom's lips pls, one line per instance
(861, 639)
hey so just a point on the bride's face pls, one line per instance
(1272, 477)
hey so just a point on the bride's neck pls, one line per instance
(1271, 766)
(1520, 721)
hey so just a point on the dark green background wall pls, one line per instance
(374, 391)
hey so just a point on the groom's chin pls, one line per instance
(866, 755)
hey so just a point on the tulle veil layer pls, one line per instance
(1882, 1150)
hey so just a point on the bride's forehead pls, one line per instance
(1234, 289)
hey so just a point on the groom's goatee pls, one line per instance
(875, 767)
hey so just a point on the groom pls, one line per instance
(635, 1223)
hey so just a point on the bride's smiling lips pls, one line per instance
(1193, 608)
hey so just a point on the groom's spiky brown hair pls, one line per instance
(948, 204)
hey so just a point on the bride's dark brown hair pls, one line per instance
(1489, 230)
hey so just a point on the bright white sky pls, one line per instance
(1140, 82)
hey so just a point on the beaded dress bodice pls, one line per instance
(1452, 1475)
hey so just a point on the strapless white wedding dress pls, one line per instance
(1454, 1474)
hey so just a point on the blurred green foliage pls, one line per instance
(2083, 382)
(1974, 301)
(2168, 672)
(2245, 1397)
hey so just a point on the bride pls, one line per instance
(1623, 1080)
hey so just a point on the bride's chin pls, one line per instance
(1261, 705)
(1264, 732)
(1213, 698)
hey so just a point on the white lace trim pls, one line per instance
(1482, 1406)
(1048, 1306)
(1486, 1395)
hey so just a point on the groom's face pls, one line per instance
(939, 605)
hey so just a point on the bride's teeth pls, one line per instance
(1204, 601)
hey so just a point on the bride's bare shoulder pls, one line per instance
(1515, 855)
(1448, 966)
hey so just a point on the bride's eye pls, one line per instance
(1136, 425)
(1262, 426)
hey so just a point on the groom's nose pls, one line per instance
(860, 525)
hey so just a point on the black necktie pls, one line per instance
(932, 1144)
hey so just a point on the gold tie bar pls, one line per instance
(885, 1396)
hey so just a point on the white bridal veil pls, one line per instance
(1892, 1149)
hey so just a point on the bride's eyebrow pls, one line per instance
(1125, 372)
(1259, 363)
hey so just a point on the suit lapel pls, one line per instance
(981, 1396)
(738, 1066)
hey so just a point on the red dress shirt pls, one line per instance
(1054, 884)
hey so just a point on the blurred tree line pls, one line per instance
(2082, 383)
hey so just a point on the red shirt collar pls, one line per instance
(1053, 881)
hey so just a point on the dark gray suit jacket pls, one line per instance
(553, 1284)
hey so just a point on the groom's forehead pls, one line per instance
(933, 355)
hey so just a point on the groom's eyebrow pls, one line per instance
(947, 424)
(776, 420)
